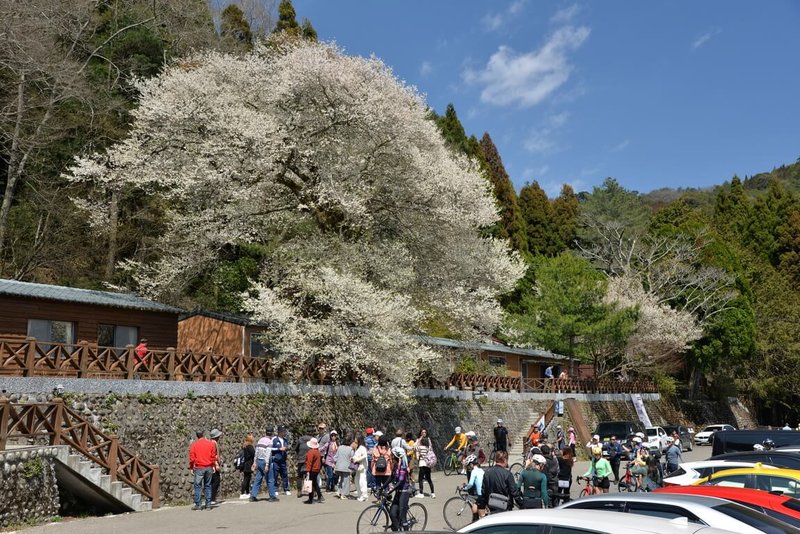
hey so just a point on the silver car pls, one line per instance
(711, 511)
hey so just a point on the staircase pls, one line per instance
(576, 416)
(91, 464)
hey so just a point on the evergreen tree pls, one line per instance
(511, 225)
(307, 31)
(287, 19)
(538, 216)
(235, 30)
(452, 130)
(732, 208)
(565, 218)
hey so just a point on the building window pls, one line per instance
(109, 335)
(52, 331)
(498, 361)
(258, 349)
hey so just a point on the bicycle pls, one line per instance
(457, 511)
(490, 458)
(628, 482)
(588, 489)
(375, 517)
(451, 464)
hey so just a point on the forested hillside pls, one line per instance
(139, 151)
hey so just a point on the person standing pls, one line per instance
(424, 446)
(572, 440)
(360, 460)
(313, 467)
(673, 456)
(501, 436)
(369, 442)
(249, 455)
(565, 463)
(599, 470)
(615, 456)
(560, 442)
(328, 452)
(261, 466)
(498, 479)
(533, 483)
(215, 435)
(342, 460)
(202, 459)
(300, 452)
(401, 488)
(382, 467)
(550, 470)
(474, 485)
(279, 467)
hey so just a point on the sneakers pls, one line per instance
(361, 499)
(253, 499)
(197, 508)
(433, 495)
(420, 495)
(244, 496)
(273, 499)
(213, 503)
(288, 493)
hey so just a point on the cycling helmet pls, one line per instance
(758, 447)
(670, 440)
(471, 459)
(470, 434)
(768, 444)
(637, 439)
(458, 430)
(539, 459)
(597, 451)
(639, 435)
(399, 451)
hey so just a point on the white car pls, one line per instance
(696, 509)
(690, 472)
(556, 521)
(656, 438)
(706, 436)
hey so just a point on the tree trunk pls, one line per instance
(11, 178)
(111, 258)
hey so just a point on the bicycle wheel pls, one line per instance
(457, 513)
(448, 466)
(490, 459)
(624, 486)
(516, 469)
(584, 493)
(373, 519)
(417, 517)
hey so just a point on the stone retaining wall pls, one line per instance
(28, 489)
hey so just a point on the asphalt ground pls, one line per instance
(289, 516)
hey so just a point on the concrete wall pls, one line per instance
(28, 489)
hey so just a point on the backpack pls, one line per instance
(381, 464)
(238, 463)
(430, 457)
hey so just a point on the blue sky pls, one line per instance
(655, 94)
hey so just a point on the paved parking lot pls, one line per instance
(289, 516)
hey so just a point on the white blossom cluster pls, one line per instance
(372, 222)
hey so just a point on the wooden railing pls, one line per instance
(543, 385)
(62, 425)
(29, 357)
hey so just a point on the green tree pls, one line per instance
(235, 30)
(287, 19)
(307, 30)
(538, 216)
(732, 208)
(565, 218)
(452, 130)
(511, 225)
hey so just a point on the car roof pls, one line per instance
(714, 463)
(668, 498)
(788, 473)
(726, 492)
(590, 519)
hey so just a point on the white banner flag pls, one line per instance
(638, 403)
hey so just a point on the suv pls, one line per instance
(656, 439)
(621, 429)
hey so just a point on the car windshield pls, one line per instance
(712, 428)
(670, 429)
(755, 519)
(652, 432)
(612, 429)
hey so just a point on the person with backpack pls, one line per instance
(426, 459)
(533, 483)
(382, 462)
(501, 436)
(244, 463)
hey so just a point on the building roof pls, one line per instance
(491, 347)
(82, 296)
(242, 320)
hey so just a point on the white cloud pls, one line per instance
(704, 38)
(495, 21)
(553, 187)
(525, 79)
(532, 173)
(558, 120)
(621, 146)
(565, 15)
(426, 68)
(542, 139)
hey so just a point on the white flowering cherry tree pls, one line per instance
(328, 159)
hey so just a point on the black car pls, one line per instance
(788, 460)
(687, 441)
(620, 429)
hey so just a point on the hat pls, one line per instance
(596, 436)
(458, 430)
(369, 430)
(571, 429)
(470, 434)
(215, 433)
(558, 426)
(539, 459)
(270, 430)
(637, 439)
(313, 443)
(499, 420)
(378, 433)
(334, 432)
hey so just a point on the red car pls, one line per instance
(781, 507)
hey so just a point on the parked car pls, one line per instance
(789, 448)
(554, 520)
(781, 507)
(684, 434)
(779, 481)
(656, 438)
(744, 440)
(705, 437)
(621, 429)
(690, 472)
(711, 511)
(787, 460)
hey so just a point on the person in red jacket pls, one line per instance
(202, 462)
(313, 467)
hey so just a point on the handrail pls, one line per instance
(64, 426)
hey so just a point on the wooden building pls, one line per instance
(69, 315)
(220, 333)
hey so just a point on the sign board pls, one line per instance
(560, 408)
(638, 403)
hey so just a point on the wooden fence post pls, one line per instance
(58, 421)
(30, 356)
(170, 363)
(83, 358)
(207, 366)
(113, 453)
(240, 368)
(155, 487)
(5, 415)
(130, 363)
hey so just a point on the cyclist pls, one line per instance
(459, 442)
(641, 455)
(401, 488)
(768, 444)
(533, 483)
(501, 437)
(475, 484)
(474, 449)
(599, 470)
